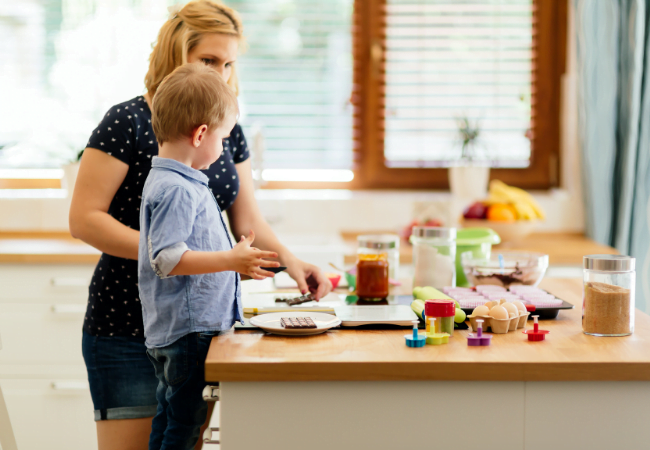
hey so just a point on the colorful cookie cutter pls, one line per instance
(536, 334)
(415, 340)
(478, 339)
(434, 338)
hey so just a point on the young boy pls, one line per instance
(187, 266)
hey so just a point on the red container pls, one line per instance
(439, 308)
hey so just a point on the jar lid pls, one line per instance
(434, 232)
(439, 308)
(378, 241)
(609, 263)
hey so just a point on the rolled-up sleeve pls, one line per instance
(172, 218)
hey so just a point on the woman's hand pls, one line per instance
(309, 278)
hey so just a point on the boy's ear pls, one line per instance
(199, 134)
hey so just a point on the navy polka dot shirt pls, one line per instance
(126, 133)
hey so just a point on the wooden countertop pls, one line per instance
(45, 248)
(562, 248)
(381, 355)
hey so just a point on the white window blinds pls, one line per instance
(65, 62)
(295, 81)
(447, 60)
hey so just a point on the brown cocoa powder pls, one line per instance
(606, 309)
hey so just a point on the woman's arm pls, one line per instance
(245, 215)
(99, 178)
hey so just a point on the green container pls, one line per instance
(479, 241)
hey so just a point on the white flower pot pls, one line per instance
(469, 182)
(69, 177)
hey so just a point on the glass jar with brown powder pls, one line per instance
(608, 300)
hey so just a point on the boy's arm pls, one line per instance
(242, 258)
(196, 263)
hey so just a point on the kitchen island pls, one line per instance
(358, 389)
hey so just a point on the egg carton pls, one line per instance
(500, 326)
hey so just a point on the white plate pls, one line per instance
(271, 323)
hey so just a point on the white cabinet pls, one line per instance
(42, 373)
(50, 414)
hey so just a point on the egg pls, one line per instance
(513, 311)
(481, 310)
(520, 306)
(491, 305)
(499, 312)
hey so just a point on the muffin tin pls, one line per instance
(537, 300)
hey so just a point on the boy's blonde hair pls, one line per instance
(190, 96)
(183, 31)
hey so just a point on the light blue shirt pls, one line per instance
(178, 214)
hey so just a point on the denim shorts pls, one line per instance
(122, 379)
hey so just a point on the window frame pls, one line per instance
(370, 170)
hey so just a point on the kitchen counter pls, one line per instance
(380, 355)
(45, 248)
(371, 391)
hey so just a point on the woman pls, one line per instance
(105, 214)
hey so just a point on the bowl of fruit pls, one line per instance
(511, 212)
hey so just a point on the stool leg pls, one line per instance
(7, 439)
(210, 394)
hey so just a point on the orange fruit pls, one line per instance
(500, 212)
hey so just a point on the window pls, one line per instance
(450, 62)
(402, 55)
(295, 79)
(370, 85)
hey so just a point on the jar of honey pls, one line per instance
(372, 276)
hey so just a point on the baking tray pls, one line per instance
(543, 313)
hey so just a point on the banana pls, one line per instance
(524, 211)
(524, 203)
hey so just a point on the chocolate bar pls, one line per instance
(297, 322)
(296, 300)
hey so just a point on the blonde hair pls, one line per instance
(183, 31)
(190, 96)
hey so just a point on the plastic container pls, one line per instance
(434, 256)
(443, 312)
(608, 300)
(372, 276)
(368, 244)
(479, 242)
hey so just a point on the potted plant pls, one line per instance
(70, 171)
(468, 178)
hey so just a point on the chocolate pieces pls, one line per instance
(297, 322)
(296, 300)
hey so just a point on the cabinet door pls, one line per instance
(50, 414)
(45, 283)
(41, 333)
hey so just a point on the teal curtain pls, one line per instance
(613, 51)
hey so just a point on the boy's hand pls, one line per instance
(247, 260)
